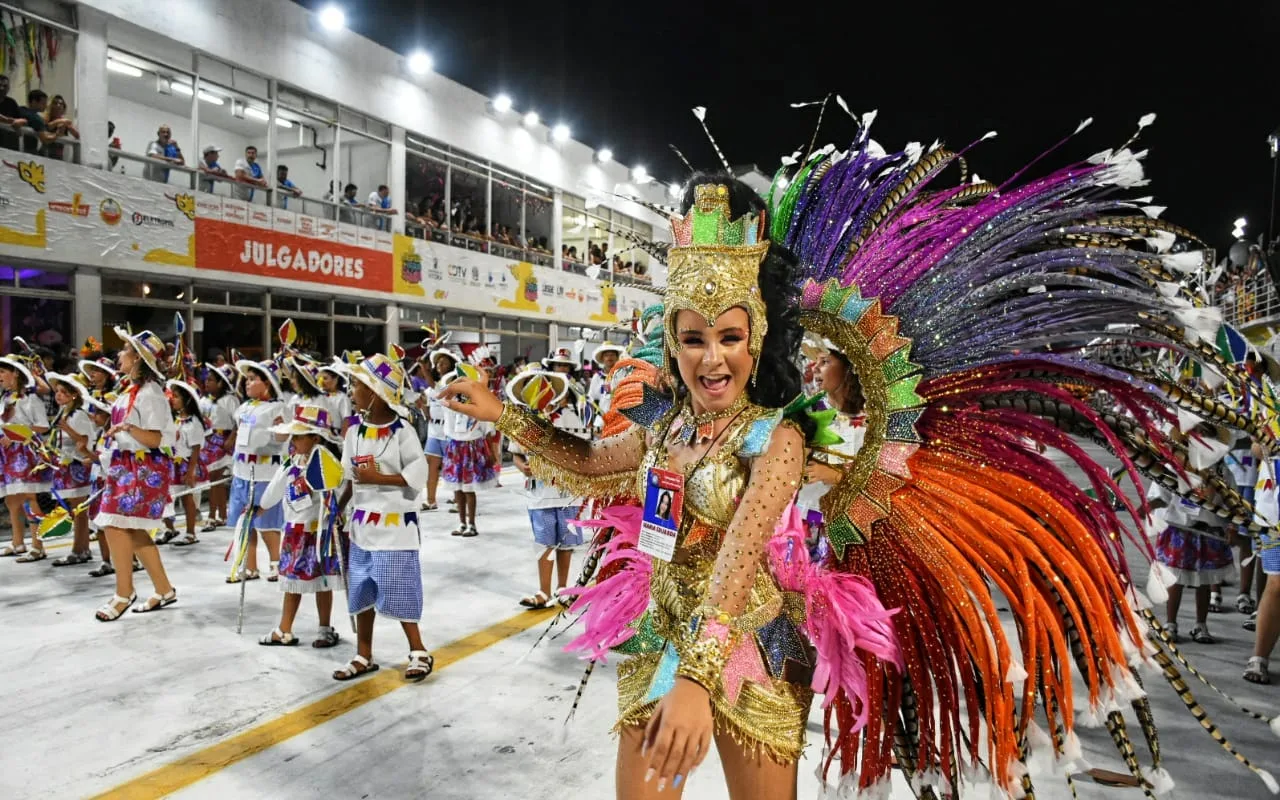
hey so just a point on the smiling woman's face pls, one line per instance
(714, 360)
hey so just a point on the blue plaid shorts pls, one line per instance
(268, 519)
(551, 527)
(388, 581)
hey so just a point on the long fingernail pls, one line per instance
(648, 776)
(676, 783)
(662, 783)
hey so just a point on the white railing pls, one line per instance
(1249, 302)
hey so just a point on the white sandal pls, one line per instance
(420, 661)
(9, 551)
(156, 602)
(278, 638)
(109, 611)
(351, 670)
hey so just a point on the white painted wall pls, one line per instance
(279, 39)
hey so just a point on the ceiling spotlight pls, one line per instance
(419, 62)
(640, 175)
(332, 18)
(531, 119)
(604, 155)
(674, 191)
(1240, 222)
(501, 103)
(560, 133)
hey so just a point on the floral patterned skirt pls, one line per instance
(72, 480)
(181, 466)
(302, 569)
(468, 466)
(137, 490)
(213, 453)
(1196, 560)
(19, 475)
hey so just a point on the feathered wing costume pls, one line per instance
(964, 311)
(960, 309)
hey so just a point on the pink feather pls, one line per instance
(612, 606)
(844, 617)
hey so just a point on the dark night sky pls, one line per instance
(626, 74)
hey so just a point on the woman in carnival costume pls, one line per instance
(258, 455)
(70, 436)
(943, 299)
(22, 480)
(136, 486)
(308, 565)
(385, 466)
(218, 406)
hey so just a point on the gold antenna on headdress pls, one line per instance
(701, 113)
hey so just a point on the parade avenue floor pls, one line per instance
(175, 704)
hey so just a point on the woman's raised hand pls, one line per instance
(472, 398)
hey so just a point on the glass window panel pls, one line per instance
(369, 311)
(508, 198)
(220, 331)
(41, 321)
(139, 105)
(313, 335)
(351, 336)
(537, 220)
(32, 278)
(424, 184)
(467, 194)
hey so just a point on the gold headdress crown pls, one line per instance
(714, 265)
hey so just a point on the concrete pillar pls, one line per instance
(91, 87)
(397, 166)
(557, 231)
(392, 334)
(86, 305)
(273, 139)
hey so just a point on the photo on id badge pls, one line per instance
(662, 504)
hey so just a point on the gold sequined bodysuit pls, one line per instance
(733, 498)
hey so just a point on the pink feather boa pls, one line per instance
(612, 606)
(843, 615)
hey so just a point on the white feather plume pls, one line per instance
(1084, 123)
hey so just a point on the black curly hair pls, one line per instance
(778, 379)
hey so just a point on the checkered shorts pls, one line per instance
(388, 581)
(551, 527)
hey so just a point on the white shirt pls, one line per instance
(190, 436)
(79, 422)
(299, 507)
(221, 412)
(29, 410)
(243, 191)
(385, 517)
(258, 452)
(150, 412)
(461, 428)
(540, 493)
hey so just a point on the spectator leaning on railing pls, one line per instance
(8, 116)
(380, 203)
(163, 149)
(31, 116)
(287, 187)
(59, 125)
(249, 173)
(209, 166)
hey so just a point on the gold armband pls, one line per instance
(519, 423)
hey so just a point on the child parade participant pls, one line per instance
(219, 407)
(70, 437)
(188, 469)
(101, 377)
(22, 482)
(551, 510)
(303, 568)
(304, 380)
(442, 362)
(383, 459)
(600, 391)
(469, 465)
(258, 453)
(334, 397)
(136, 491)
(99, 450)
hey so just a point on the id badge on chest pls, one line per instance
(663, 501)
(299, 494)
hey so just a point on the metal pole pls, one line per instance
(1271, 218)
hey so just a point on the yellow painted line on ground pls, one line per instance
(201, 764)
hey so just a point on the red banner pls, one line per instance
(230, 247)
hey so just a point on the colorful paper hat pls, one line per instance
(443, 351)
(269, 369)
(385, 378)
(149, 347)
(226, 372)
(308, 419)
(186, 388)
(307, 369)
(336, 368)
(73, 382)
(537, 389)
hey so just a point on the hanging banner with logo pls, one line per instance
(478, 282)
(57, 211)
(233, 236)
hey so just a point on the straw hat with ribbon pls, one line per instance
(185, 388)
(73, 382)
(225, 373)
(307, 369)
(561, 356)
(149, 347)
(100, 364)
(14, 363)
(270, 370)
(308, 419)
(608, 347)
(385, 378)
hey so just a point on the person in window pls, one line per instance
(287, 187)
(113, 144)
(8, 116)
(209, 166)
(249, 173)
(58, 125)
(348, 199)
(164, 149)
(380, 203)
